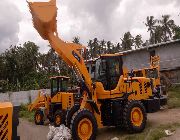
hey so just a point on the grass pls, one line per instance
(174, 97)
(151, 133)
(24, 113)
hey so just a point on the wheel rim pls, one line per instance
(85, 129)
(38, 118)
(58, 120)
(136, 116)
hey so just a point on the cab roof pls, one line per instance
(60, 77)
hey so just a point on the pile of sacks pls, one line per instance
(59, 133)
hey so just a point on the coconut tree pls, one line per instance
(150, 23)
(103, 45)
(127, 41)
(138, 41)
(90, 46)
(167, 25)
(76, 40)
(158, 34)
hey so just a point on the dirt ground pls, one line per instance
(30, 131)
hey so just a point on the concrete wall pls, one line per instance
(136, 60)
(169, 57)
(21, 97)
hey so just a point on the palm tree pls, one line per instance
(158, 35)
(117, 48)
(76, 40)
(109, 47)
(90, 46)
(138, 41)
(127, 41)
(167, 27)
(150, 23)
(103, 45)
(96, 47)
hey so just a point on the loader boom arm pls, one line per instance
(44, 20)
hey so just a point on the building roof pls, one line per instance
(115, 54)
(152, 46)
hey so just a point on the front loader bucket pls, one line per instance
(44, 17)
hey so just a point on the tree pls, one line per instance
(96, 48)
(150, 23)
(138, 41)
(103, 46)
(176, 32)
(90, 46)
(127, 41)
(167, 25)
(76, 40)
(117, 48)
(158, 35)
(109, 47)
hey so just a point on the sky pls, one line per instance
(104, 19)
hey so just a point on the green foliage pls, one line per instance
(138, 41)
(24, 113)
(3, 85)
(127, 41)
(153, 133)
(23, 67)
(162, 30)
(176, 31)
(76, 40)
(174, 97)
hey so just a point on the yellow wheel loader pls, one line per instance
(8, 121)
(54, 106)
(6, 111)
(111, 99)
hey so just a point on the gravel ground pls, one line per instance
(30, 131)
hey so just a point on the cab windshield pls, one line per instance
(59, 85)
(63, 85)
(108, 71)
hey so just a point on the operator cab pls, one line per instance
(108, 70)
(59, 84)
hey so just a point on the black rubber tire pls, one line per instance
(70, 114)
(58, 113)
(41, 122)
(77, 117)
(130, 127)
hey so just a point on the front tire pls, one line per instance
(134, 116)
(70, 114)
(83, 125)
(39, 117)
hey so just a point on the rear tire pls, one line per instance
(134, 116)
(83, 125)
(58, 118)
(39, 117)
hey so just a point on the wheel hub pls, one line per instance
(136, 116)
(58, 120)
(85, 128)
